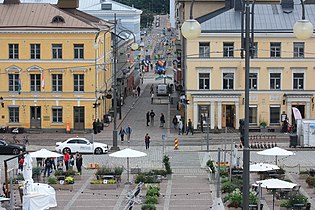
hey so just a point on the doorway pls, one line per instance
(301, 108)
(78, 115)
(230, 116)
(35, 117)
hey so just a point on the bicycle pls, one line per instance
(15, 140)
(25, 140)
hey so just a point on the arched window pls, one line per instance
(58, 19)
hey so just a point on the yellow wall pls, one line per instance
(67, 66)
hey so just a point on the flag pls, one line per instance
(297, 113)
(43, 81)
(19, 86)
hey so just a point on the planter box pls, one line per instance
(303, 176)
(103, 186)
(62, 186)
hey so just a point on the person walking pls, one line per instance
(122, 133)
(20, 162)
(201, 123)
(48, 167)
(78, 162)
(128, 133)
(175, 122)
(152, 115)
(162, 120)
(189, 127)
(148, 118)
(151, 89)
(180, 127)
(138, 91)
(66, 158)
(71, 162)
(147, 141)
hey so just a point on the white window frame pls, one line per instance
(52, 114)
(275, 106)
(223, 71)
(275, 71)
(254, 106)
(302, 71)
(203, 70)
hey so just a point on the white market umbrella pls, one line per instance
(276, 151)
(128, 153)
(44, 153)
(275, 184)
(261, 167)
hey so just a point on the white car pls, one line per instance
(81, 145)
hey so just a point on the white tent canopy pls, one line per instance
(44, 153)
(276, 151)
(260, 167)
(276, 184)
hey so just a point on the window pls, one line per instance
(14, 115)
(228, 49)
(35, 51)
(275, 79)
(57, 82)
(78, 82)
(35, 82)
(57, 114)
(204, 113)
(275, 49)
(253, 115)
(228, 81)
(298, 48)
(204, 81)
(298, 81)
(57, 51)
(274, 115)
(13, 51)
(78, 51)
(253, 81)
(255, 50)
(204, 49)
(14, 82)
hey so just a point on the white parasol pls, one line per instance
(128, 153)
(260, 167)
(44, 153)
(276, 151)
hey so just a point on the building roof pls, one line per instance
(267, 18)
(29, 15)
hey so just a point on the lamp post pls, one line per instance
(302, 29)
(133, 46)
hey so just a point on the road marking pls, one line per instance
(168, 194)
(121, 197)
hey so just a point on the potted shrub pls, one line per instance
(234, 199)
(167, 165)
(52, 180)
(263, 124)
(66, 184)
(304, 174)
(228, 187)
(103, 184)
(310, 180)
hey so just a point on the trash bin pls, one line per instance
(293, 140)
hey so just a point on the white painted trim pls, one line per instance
(47, 61)
(12, 69)
(221, 59)
(216, 99)
(56, 70)
(43, 31)
(50, 99)
(78, 70)
(257, 35)
(34, 68)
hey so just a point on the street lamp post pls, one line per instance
(302, 29)
(133, 46)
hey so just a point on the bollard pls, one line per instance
(176, 144)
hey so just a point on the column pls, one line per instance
(237, 117)
(307, 108)
(219, 114)
(289, 111)
(195, 120)
(212, 106)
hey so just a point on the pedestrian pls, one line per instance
(175, 122)
(122, 133)
(201, 123)
(180, 127)
(189, 127)
(152, 115)
(66, 158)
(53, 163)
(128, 132)
(138, 90)
(20, 162)
(48, 167)
(152, 97)
(71, 162)
(78, 162)
(162, 120)
(39, 162)
(151, 89)
(147, 141)
(148, 118)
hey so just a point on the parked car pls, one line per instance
(10, 149)
(81, 145)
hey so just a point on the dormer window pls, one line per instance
(58, 19)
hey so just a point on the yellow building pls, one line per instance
(281, 70)
(52, 66)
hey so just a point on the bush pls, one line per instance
(167, 165)
(297, 199)
(146, 178)
(70, 173)
(224, 173)
(148, 207)
(60, 173)
(253, 198)
(111, 181)
(140, 178)
(228, 187)
(234, 199)
(151, 200)
(36, 171)
(104, 171)
(159, 172)
(69, 180)
(153, 191)
(52, 180)
(118, 170)
(96, 182)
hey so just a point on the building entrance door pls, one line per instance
(78, 114)
(35, 117)
(301, 108)
(230, 116)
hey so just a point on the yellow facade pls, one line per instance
(37, 109)
(225, 107)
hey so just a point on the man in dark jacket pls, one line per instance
(78, 162)
(148, 118)
(152, 114)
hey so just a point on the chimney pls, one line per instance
(68, 4)
(287, 4)
(238, 5)
(11, 2)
